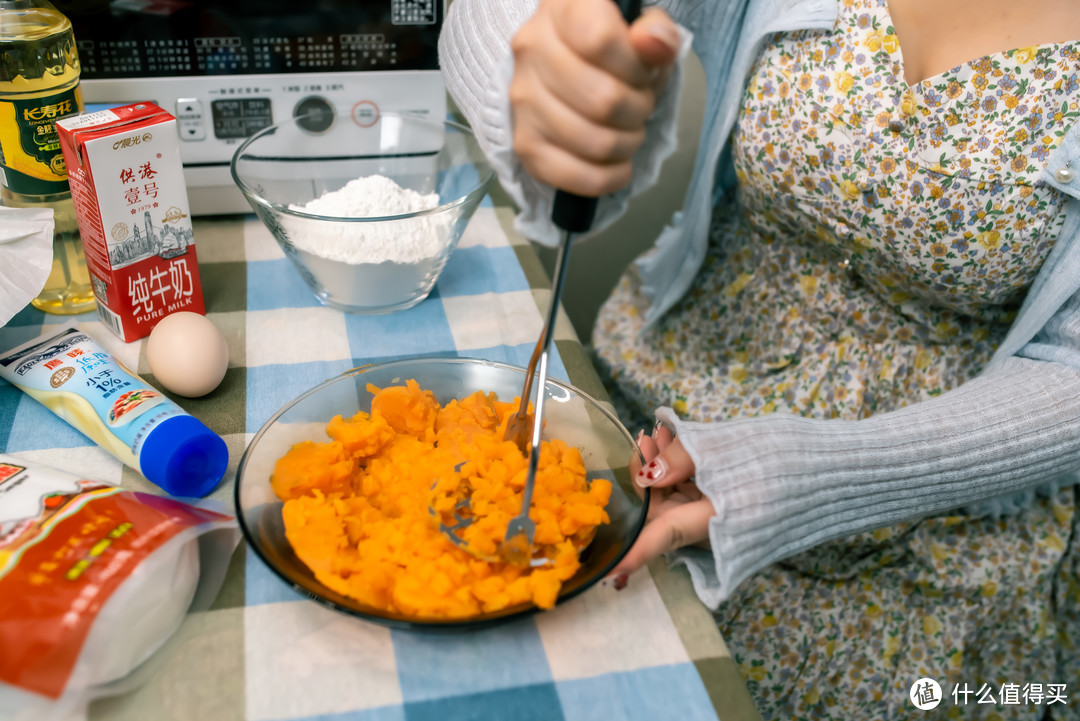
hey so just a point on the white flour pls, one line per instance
(400, 241)
(370, 267)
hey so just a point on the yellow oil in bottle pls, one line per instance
(39, 84)
(67, 290)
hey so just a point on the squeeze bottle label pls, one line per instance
(75, 378)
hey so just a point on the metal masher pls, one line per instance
(571, 214)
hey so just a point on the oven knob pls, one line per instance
(314, 114)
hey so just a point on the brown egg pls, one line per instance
(187, 354)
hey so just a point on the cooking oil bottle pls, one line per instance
(39, 84)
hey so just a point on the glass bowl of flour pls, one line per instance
(368, 209)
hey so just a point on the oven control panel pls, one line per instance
(215, 115)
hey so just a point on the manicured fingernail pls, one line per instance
(639, 436)
(651, 472)
(666, 34)
(620, 582)
(660, 424)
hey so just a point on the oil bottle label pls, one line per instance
(30, 155)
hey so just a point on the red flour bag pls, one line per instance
(93, 580)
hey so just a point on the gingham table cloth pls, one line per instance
(262, 652)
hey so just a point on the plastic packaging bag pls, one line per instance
(93, 580)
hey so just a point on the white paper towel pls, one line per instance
(26, 255)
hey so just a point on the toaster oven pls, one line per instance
(230, 68)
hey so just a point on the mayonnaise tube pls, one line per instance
(73, 376)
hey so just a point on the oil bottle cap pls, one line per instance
(184, 457)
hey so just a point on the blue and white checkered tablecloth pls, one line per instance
(262, 653)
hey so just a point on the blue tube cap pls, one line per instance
(184, 457)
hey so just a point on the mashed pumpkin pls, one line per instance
(363, 510)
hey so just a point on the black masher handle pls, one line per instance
(571, 212)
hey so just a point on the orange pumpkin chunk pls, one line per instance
(363, 509)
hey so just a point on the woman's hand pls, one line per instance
(584, 84)
(678, 513)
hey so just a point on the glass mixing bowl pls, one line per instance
(569, 414)
(358, 263)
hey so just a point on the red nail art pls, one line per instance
(620, 582)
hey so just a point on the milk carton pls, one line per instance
(131, 202)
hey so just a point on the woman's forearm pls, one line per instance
(783, 484)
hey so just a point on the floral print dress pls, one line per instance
(881, 240)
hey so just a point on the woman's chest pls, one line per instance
(938, 36)
(933, 187)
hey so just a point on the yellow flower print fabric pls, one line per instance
(882, 238)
